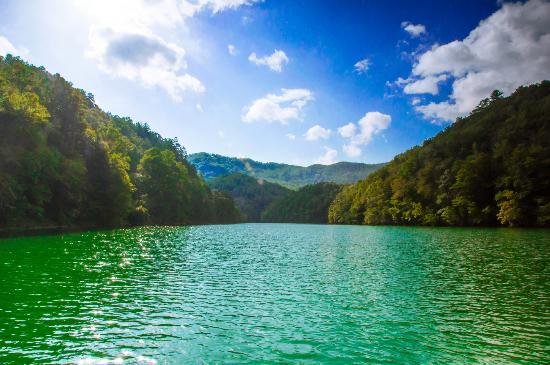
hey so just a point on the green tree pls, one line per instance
(490, 168)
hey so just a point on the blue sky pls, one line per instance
(283, 80)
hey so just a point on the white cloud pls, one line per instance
(231, 49)
(329, 157)
(371, 124)
(278, 108)
(438, 112)
(199, 108)
(416, 101)
(219, 5)
(400, 81)
(143, 57)
(275, 61)
(348, 130)
(509, 49)
(361, 134)
(7, 47)
(124, 43)
(427, 85)
(290, 136)
(351, 150)
(165, 12)
(414, 30)
(362, 66)
(317, 132)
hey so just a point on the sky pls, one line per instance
(298, 82)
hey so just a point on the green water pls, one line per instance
(275, 294)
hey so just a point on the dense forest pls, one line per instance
(64, 162)
(309, 204)
(290, 176)
(262, 201)
(490, 168)
(251, 195)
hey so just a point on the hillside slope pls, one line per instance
(490, 168)
(291, 176)
(66, 163)
(251, 195)
(309, 204)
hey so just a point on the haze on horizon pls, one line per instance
(285, 81)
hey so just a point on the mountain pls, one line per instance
(66, 163)
(490, 168)
(251, 195)
(261, 201)
(308, 204)
(290, 176)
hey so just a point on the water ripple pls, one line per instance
(270, 293)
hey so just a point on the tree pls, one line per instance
(509, 208)
(65, 162)
(165, 187)
(490, 168)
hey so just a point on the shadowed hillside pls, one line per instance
(251, 195)
(308, 204)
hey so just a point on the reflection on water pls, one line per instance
(268, 293)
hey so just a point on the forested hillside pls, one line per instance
(490, 168)
(309, 204)
(262, 201)
(251, 195)
(65, 162)
(293, 177)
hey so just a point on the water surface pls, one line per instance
(275, 293)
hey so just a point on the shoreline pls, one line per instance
(7, 233)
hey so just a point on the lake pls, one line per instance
(276, 293)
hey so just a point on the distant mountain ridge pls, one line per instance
(291, 176)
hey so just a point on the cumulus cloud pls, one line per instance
(508, 49)
(348, 130)
(414, 30)
(443, 111)
(351, 150)
(363, 132)
(231, 49)
(275, 61)
(427, 85)
(362, 66)
(278, 108)
(124, 43)
(290, 136)
(6, 47)
(143, 57)
(317, 132)
(219, 5)
(329, 157)
(147, 12)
